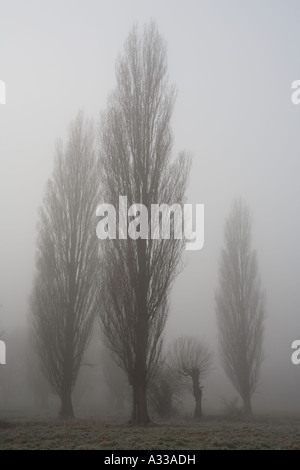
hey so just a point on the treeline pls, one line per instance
(125, 284)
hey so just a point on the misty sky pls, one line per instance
(233, 64)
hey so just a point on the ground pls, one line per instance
(209, 433)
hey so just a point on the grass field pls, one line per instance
(210, 433)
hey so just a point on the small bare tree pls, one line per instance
(165, 391)
(240, 305)
(135, 149)
(64, 294)
(192, 358)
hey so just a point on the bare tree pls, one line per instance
(64, 294)
(192, 358)
(165, 391)
(136, 143)
(240, 305)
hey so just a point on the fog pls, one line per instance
(233, 65)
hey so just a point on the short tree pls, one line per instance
(64, 299)
(240, 305)
(193, 359)
(165, 391)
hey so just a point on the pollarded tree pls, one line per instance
(193, 359)
(135, 148)
(240, 304)
(64, 300)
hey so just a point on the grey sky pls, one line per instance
(233, 63)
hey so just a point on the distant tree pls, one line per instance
(165, 390)
(135, 149)
(116, 381)
(231, 407)
(193, 359)
(240, 304)
(64, 299)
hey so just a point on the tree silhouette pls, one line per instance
(240, 305)
(64, 299)
(136, 143)
(191, 358)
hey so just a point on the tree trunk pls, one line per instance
(139, 382)
(139, 403)
(198, 405)
(197, 392)
(247, 404)
(66, 410)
